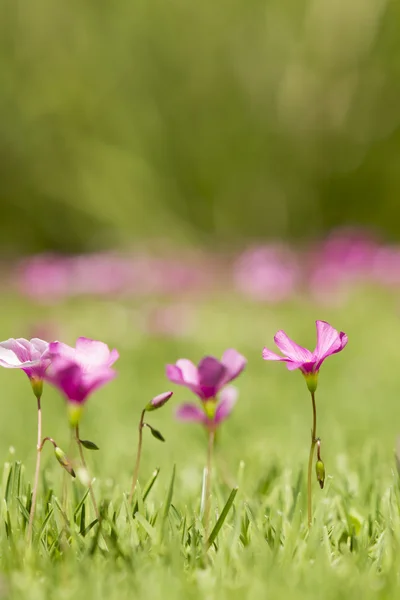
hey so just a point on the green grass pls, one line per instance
(260, 546)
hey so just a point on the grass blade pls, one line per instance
(167, 503)
(222, 517)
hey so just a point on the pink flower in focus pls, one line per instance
(78, 372)
(207, 380)
(29, 356)
(329, 341)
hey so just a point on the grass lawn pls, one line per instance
(263, 548)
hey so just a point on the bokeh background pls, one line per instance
(177, 178)
(209, 123)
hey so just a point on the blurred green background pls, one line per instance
(209, 122)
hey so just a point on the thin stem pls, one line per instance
(37, 472)
(310, 460)
(64, 496)
(84, 465)
(138, 457)
(210, 454)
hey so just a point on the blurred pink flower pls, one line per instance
(210, 376)
(386, 266)
(78, 372)
(267, 273)
(191, 413)
(345, 257)
(207, 381)
(44, 278)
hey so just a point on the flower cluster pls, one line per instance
(78, 371)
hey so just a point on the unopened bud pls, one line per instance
(320, 471)
(64, 460)
(158, 401)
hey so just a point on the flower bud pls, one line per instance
(64, 460)
(320, 471)
(158, 401)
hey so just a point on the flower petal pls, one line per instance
(228, 399)
(190, 413)
(174, 374)
(8, 357)
(39, 345)
(62, 350)
(292, 350)
(66, 377)
(269, 355)
(211, 376)
(93, 353)
(188, 370)
(234, 363)
(329, 341)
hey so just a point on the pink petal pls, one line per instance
(228, 399)
(39, 345)
(174, 374)
(211, 373)
(269, 355)
(234, 363)
(292, 350)
(329, 341)
(62, 350)
(191, 413)
(188, 370)
(92, 352)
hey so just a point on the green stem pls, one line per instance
(210, 454)
(138, 457)
(310, 460)
(37, 472)
(84, 465)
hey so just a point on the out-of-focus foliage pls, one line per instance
(214, 120)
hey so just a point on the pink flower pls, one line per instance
(210, 376)
(29, 356)
(329, 341)
(207, 381)
(212, 414)
(78, 372)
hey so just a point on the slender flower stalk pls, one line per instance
(310, 460)
(31, 357)
(37, 471)
(329, 341)
(84, 465)
(138, 456)
(156, 403)
(210, 458)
